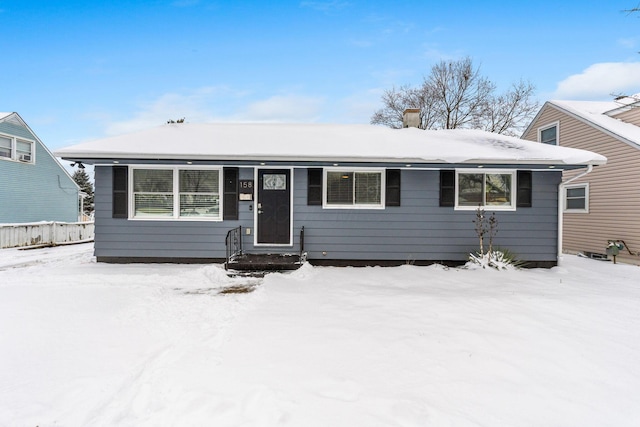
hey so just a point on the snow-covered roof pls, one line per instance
(598, 114)
(324, 142)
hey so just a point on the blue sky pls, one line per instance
(79, 70)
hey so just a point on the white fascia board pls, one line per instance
(328, 159)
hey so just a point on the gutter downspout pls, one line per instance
(561, 188)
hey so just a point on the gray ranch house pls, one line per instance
(339, 194)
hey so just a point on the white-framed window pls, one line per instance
(576, 198)
(549, 134)
(491, 188)
(165, 192)
(6, 147)
(354, 188)
(18, 149)
(24, 150)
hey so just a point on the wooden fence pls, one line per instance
(44, 233)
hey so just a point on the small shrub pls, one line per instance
(500, 259)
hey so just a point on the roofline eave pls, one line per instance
(91, 159)
(597, 126)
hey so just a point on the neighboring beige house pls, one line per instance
(603, 205)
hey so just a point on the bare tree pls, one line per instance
(396, 100)
(456, 95)
(511, 112)
(460, 92)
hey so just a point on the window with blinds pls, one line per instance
(200, 193)
(176, 193)
(577, 198)
(354, 188)
(5, 147)
(152, 193)
(23, 150)
(16, 149)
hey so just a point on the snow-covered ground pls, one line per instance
(87, 344)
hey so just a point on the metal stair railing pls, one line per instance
(303, 254)
(233, 244)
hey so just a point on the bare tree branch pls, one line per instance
(459, 90)
(394, 105)
(456, 95)
(510, 112)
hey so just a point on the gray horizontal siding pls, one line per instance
(153, 239)
(419, 229)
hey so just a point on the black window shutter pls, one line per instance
(314, 186)
(230, 193)
(525, 189)
(392, 187)
(120, 192)
(447, 187)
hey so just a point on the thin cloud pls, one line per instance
(206, 104)
(629, 43)
(194, 107)
(434, 54)
(185, 3)
(361, 43)
(358, 107)
(599, 81)
(288, 108)
(325, 6)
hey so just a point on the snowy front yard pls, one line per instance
(86, 344)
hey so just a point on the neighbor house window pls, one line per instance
(23, 150)
(549, 134)
(5, 147)
(16, 149)
(357, 189)
(489, 189)
(176, 193)
(577, 198)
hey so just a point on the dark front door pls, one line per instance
(274, 206)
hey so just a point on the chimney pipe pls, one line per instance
(411, 118)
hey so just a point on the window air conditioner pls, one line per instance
(24, 157)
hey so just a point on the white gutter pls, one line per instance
(561, 189)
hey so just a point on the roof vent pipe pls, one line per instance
(411, 118)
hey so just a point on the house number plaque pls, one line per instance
(246, 189)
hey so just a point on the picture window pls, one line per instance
(173, 193)
(487, 189)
